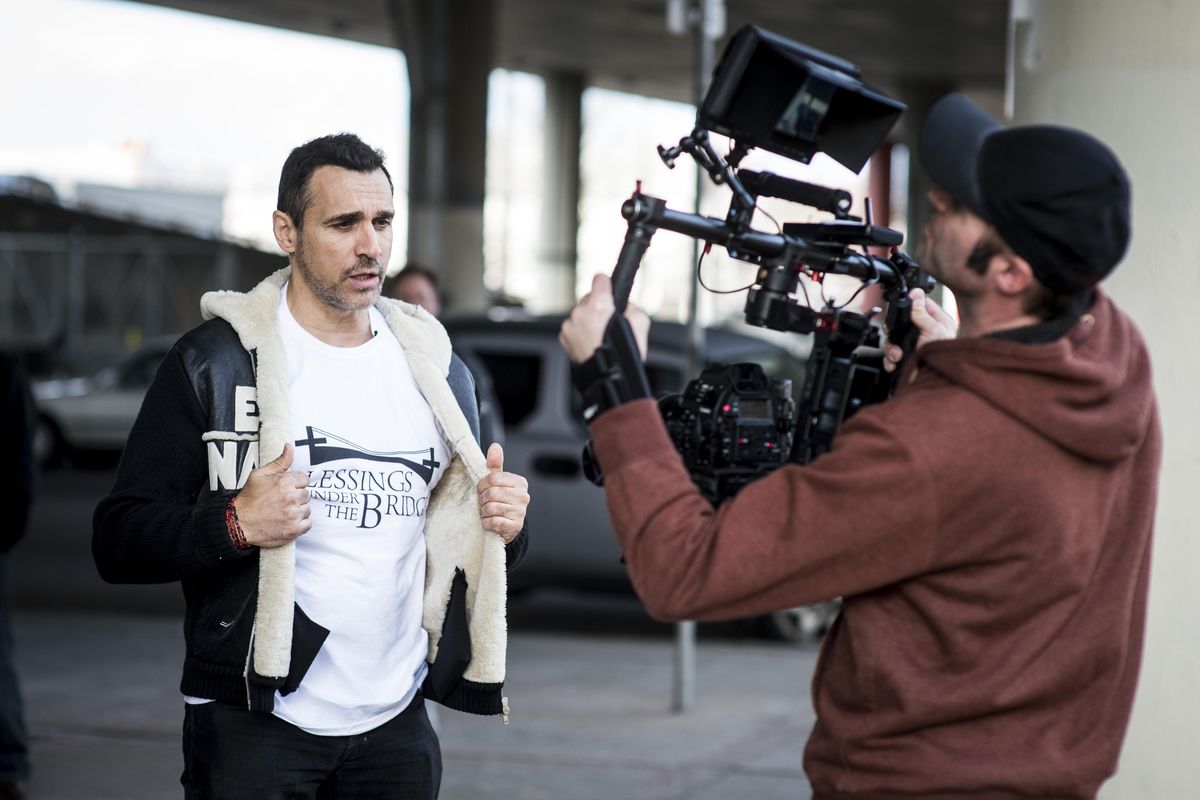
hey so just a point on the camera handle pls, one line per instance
(615, 373)
(643, 213)
(618, 336)
(768, 184)
(898, 321)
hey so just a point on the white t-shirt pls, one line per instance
(374, 452)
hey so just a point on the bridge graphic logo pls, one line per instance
(324, 447)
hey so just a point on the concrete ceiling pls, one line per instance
(624, 44)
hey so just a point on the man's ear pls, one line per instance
(285, 232)
(1011, 274)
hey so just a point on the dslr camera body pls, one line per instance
(731, 425)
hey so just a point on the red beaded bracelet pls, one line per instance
(234, 528)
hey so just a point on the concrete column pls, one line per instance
(1126, 72)
(560, 196)
(448, 67)
(879, 186)
(919, 97)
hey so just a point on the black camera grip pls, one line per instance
(643, 213)
(632, 251)
(768, 184)
(622, 344)
(614, 374)
(901, 330)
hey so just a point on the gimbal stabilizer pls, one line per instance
(773, 93)
(836, 383)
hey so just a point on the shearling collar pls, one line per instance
(252, 315)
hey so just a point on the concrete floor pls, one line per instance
(589, 686)
(590, 716)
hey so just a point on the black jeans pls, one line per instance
(233, 754)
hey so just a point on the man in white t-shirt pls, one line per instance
(336, 587)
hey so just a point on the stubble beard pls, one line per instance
(339, 294)
(927, 256)
(933, 263)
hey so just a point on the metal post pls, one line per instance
(706, 19)
(77, 290)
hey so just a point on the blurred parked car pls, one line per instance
(94, 414)
(573, 544)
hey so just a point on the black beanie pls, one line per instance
(1056, 195)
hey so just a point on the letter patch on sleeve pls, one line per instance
(245, 409)
(230, 462)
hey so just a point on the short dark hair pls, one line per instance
(417, 271)
(412, 270)
(1046, 304)
(343, 150)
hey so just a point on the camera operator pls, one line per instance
(988, 527)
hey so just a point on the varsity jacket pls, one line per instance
(216, 410)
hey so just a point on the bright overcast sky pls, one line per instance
(128, 94)
(216, 105)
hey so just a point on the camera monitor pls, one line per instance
(776, 94)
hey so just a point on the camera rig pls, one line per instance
(732, 424)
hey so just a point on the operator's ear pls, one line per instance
(285, 232)
(1011, 274)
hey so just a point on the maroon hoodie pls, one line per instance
(989, 532)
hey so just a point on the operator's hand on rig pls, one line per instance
(583, 331)
(932, 324)
(606, 350)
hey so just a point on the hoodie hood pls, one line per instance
(1089, 391)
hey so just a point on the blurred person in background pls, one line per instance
(307, 464)
(16, 487)
(417, 285)
(989, 527)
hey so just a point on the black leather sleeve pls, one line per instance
(153, 527)
(514, 551)
(462, 384)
